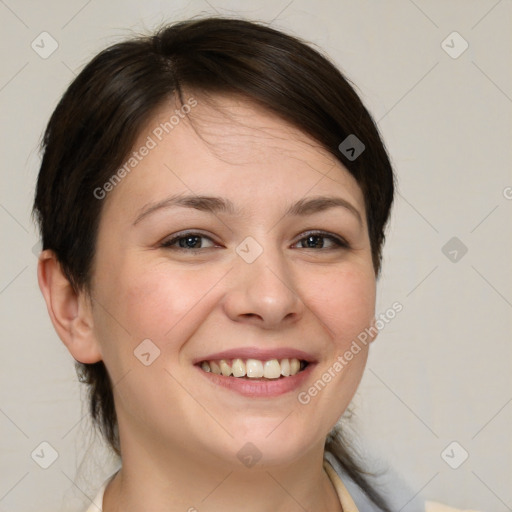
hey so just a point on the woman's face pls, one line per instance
(248, 281)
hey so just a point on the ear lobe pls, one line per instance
(69, 310)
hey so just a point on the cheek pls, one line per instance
(164, 301)
(158, 302)
(344, 302)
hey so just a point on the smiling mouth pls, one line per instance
(272, 369)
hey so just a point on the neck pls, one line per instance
(179, 480)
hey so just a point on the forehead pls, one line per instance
(228, 146)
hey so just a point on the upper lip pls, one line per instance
(258, 353)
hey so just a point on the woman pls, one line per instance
(212, 201)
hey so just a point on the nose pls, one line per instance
(263, 293)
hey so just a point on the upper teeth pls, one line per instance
(253, 368)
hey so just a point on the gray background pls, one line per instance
(439, 372)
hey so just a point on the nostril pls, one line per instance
(251, 315)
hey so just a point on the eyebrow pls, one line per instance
(214, 205)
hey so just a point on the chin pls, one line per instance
(269, 443)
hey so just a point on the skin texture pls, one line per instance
(180, 434)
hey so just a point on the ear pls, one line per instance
(70, 311)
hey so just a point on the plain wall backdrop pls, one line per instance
(439, 372)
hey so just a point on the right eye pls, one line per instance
(187, 242)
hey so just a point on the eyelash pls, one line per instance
(169, 244)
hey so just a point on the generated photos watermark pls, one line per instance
(363, 338)
(157, 135)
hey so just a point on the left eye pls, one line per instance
(315, 240)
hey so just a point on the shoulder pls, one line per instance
(397, 491)
(97, 503)
(344, 486)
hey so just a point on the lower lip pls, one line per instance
(260, 388)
